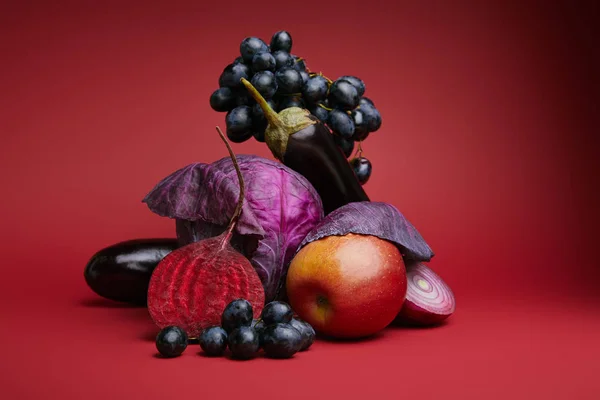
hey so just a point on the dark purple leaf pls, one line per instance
(377, 219)
(204, 192)
(280, 208)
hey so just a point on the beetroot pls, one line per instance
(429, 300)
(192, 285)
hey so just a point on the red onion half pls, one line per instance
(429, 300)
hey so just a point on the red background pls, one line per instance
(488, 145)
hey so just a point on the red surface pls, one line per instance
(489, 146)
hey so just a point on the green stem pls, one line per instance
(270, 114)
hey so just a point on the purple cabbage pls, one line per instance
(280, 208)
(377, 219)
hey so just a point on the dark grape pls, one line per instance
(289, 80)
(360, 137)
(171, 341)
(263, 62)
(305, 77)
(358, 83)
(277, 311)
(362, 169)
(341, 123)
(265, 83)
(238, 60)
(366, 101)
(343, 95)
(306, 331)
(259, 122)
(299, 63)
(281, 40)
(213, 341)
(281, 340)
(372, 117)
(259, 136)
(222, 99)
(361, 128)
(291, 101)
(258, 129)
(243, 98)
(375, 121)
(315, 89)
(283, 59)
(237, 313)
(346, 145)
(251, 46)
(243, 343)
(232, 75)
(320, 113)
(239, 124)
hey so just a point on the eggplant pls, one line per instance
(302, 142)
(122, 272)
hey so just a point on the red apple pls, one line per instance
(347, 286)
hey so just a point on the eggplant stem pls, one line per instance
(240, 203)
(270, 114)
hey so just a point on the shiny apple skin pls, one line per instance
(349, 286)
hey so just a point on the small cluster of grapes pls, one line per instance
(277, 332)
(283, 79)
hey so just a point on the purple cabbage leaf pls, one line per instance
(280, 208)
(377, 219)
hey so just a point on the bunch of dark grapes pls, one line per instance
(277, 332)
(284, 81)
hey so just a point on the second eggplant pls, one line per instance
(122, 272)
(306, 145)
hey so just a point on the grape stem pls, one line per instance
(313, 74)
(359, 150)
(240, 203)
